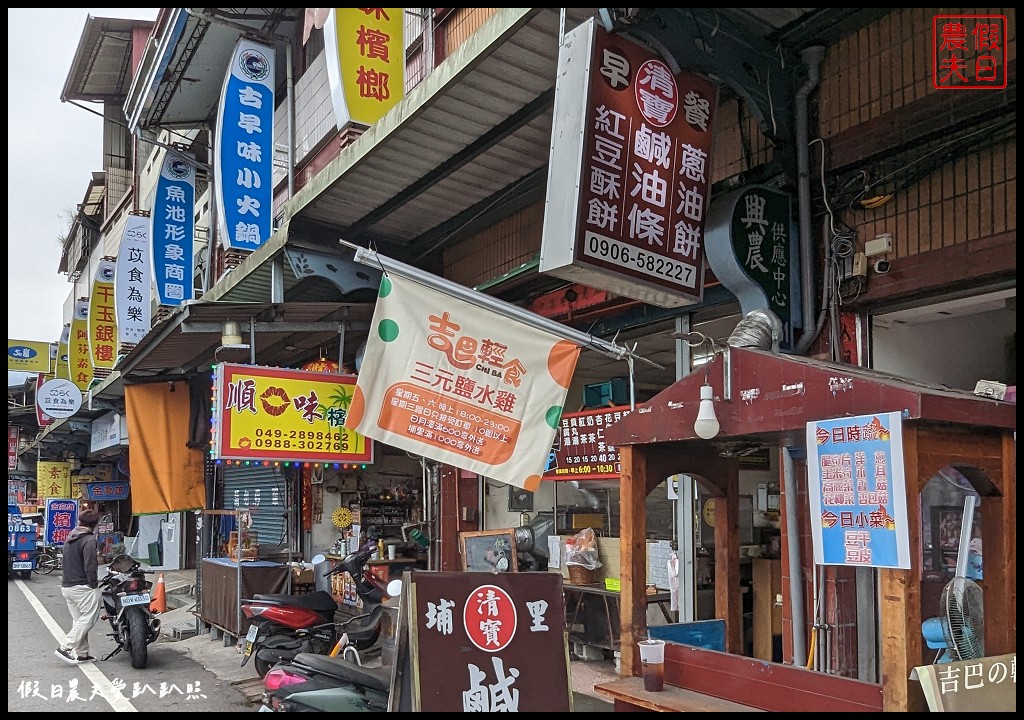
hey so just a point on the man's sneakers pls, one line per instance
(67, 656)
(86, 658)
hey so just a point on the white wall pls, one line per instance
(956, 352)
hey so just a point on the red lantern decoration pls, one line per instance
(323, 365)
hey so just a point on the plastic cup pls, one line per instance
(652, 661)
(392, 551)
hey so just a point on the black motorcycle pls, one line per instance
(126, 605)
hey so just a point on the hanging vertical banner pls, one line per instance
(79, 358)
(365, 62)
(857, 491)
(13, 441)
(133, 286)
(244, 156)
(41, 418)
(103, 318)
(172, 224)
(53, 479)
(629, 175)
(461, 385)
(61, 368)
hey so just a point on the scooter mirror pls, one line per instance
(318, 558)
(394, 588)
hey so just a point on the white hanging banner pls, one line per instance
(133, 286)
(465, 386)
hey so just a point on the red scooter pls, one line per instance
(286, 625)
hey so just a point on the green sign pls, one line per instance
(760, 239)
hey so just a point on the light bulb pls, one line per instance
(706, 425)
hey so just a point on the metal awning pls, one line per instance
(181, 73)
(774, 396)
(101, 70)
(474, 136)
(285, 333)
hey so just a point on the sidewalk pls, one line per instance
(179, 624)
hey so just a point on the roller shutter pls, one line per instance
(264, 490)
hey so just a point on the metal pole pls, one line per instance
(211, 236)
(290, 112)
(238, 571)
(796, 594)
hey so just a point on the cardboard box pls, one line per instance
(302, 576)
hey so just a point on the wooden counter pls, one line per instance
(628, 694)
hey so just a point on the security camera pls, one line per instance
(882, 266)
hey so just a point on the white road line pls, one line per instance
(100, 682)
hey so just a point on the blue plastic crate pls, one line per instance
(605, 394)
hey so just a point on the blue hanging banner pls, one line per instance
(244, 157)
(106, 491)
(61, 519)
(173, 230)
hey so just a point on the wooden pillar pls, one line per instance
(728, 601)
(999, 549)
(900, 602)
(633, 539)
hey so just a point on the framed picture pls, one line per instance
(519, 500)
(489, 550)
(946, 522)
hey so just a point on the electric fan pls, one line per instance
(958, 633)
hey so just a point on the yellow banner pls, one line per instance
(28, 356)
(370, 52)
(264, 413)
(53, 480)
(103, 318)
(79, 360)
(62, 369)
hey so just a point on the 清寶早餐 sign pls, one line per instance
(489, 642)
(630, 171)
(263, 413)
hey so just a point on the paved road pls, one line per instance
(37, 618)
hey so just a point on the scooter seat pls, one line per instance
(318, 601)
(364, 631)
(375, 678)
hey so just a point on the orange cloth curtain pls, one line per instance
(166, 475)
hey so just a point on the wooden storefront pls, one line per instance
(771, 398)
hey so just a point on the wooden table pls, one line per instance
(628, 694)
(609, 603)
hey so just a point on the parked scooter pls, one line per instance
(126, 605)
(285, 625)
(317, 683)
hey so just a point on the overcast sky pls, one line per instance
(52, 149)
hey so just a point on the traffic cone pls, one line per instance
(159, 603)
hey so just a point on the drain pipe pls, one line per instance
(796, 586)
(812, 58)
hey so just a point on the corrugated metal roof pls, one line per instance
(189, 339)
(478, 124)
(101, 69)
